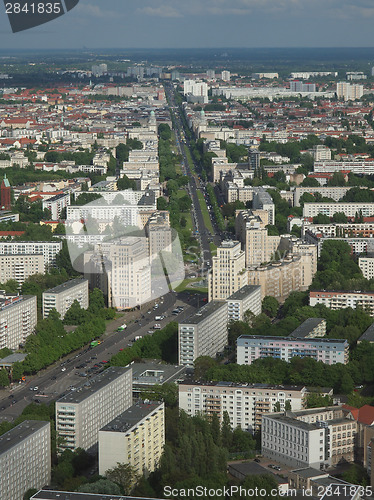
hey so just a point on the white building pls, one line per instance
(18, 318)
(135, 437)
(263, 201)
(365, 167)
(81, 414)
(25, 459)
(204, 333)
(56, 204)
(246, 299)
(244, 403)
(62, 297)
(366, 264)
(225, 76)
(342, 300)
(350, 209)
(349, 91)
(49, 250)
(195, 88)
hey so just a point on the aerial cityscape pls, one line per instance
(186, 250)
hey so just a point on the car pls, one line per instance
(63, 369)
(36, 388)
(12, 396)
(257, 460)
(121, 349)
(276, 467)
(54, 377)
(37, 401)
(103, 362)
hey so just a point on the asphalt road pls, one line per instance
(195, 184)
(61, 376)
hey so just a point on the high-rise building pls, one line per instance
(56, 204)
(246, 299)
(49, 250)
(349, 91)
(25, 459)
(228, 272)
(62, 297)
(135, 437)
(211, 74)
(81, 414)
(225, 76)
(18, 318)
(204, 333)
(5, 198)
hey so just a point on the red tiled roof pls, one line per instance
(366, 415)
(354, 411)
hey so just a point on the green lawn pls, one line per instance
(213, 249)
(205, 212)
(189, 159)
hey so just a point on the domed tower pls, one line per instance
(152, 122)
(5, 198)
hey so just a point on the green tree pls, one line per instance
(102, 486)
(123, 474)
(270, 306)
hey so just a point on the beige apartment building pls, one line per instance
(135, 437)
(228, 272)
(278, 279)
(159, 233)
(20, 267)
(62, 297)
(341, 300)
(18, 318)
(25, 459)
(82, 413)
(366, 264)
(204, 333)
(244, 403)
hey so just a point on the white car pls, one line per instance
(63, 369)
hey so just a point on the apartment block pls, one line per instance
(341, 300)
(49, 250)
(366, 264)
(247, 298)
(135, 437)
(333, 192)
(20, 267)
(316, 438)
(81, 414)
(18, 318)
(280, 278)
(263, 201)
(365, 167)
(349, 91)
(228, 272)
(310, 329)
(25, 459)
(56, 204)
(204, 333)
(329, 351)
(350, 209)
(62, 297)
(245, 404)
(159, 233)
(257, 244)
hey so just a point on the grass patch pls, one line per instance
(213, 249)
(204, 211)
(189, 159)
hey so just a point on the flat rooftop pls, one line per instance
(309, 472)
(288, 339)
(237, 385)
(66, 286)
(23, 431)
(280, 417)
(244, 292)
(203, 313)
(132, 416)
(151, 372)
(306, 327)
(94, 384)
(66, 495)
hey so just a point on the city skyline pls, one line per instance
(208, 24)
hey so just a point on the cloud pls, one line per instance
(161, 11)
(96, 11)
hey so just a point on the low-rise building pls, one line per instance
(366, 264)
(341, 300)
(204, 333)
(329, 351)
(62, 297)
(310, 329)
(135, 437)
(25, 459)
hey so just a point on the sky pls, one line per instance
(200, 24)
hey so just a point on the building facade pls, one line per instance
(135, 437)
(18, 318)
(329, 351)
(25, 459)
(81, 414)
(341, 300)
(62, 297)
(204, 333)
(20, 267)
(49, 250)
(245, 404)
(246, 299)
